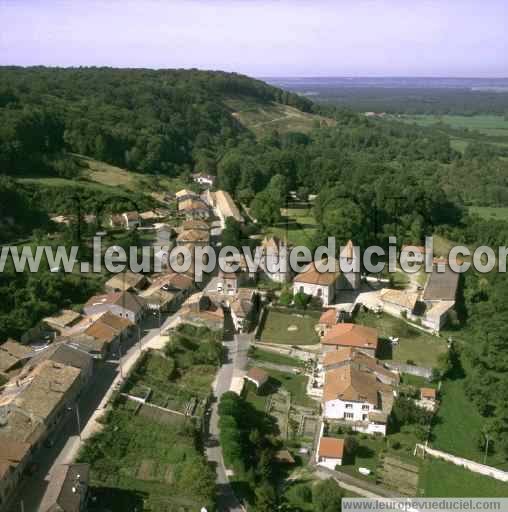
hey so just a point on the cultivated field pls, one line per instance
(141, 463)
(262, 118)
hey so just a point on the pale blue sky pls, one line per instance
(261, 37)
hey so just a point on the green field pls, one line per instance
(298, 226)
(414, 345)
(457, 426)
(496, 125)
(439, 478)
(102, 176)
(490, 213)
(290, 328)
(273, 357)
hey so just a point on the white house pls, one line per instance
(324, 279)
(205, 180)
(122, 304)
(330, 452)
(317, 284)
(355, 395)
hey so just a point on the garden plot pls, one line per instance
(160, 415)
(278, 406)
(398, 475)
(308, 426)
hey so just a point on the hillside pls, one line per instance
(164, 121)
(265, 117)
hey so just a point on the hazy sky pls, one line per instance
(262, 37)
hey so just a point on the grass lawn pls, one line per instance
(458, 424)
(489, 213)
(439, 478)
(367, 456)
(290, 328)
(417, 382)
(294, 384)
(275, 358)
(414, 345)
(298, 225)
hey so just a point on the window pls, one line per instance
(364, 417)
(302, 289)
(365, 407)
(320, 292)
(348, 415)
(349, 406)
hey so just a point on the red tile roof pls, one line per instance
(331, 448)
(351, 335)
(329, 318)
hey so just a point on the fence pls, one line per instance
(471, 465)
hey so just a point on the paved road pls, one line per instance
(234, 365)
(92, 404)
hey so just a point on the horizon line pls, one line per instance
(259, 76)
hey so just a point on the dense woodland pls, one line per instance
(373, 178)
(412, 100)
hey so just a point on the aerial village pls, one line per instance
(326, 354)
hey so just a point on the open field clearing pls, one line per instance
(457, 426)
(262, 118)
(490, 213)
(439, 478)
(298, 226)
(290, 327)
(486, 124)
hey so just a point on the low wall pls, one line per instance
(476, 467)
(419, 371)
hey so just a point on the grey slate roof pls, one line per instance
(442, 285)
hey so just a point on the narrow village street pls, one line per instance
(233, 367)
